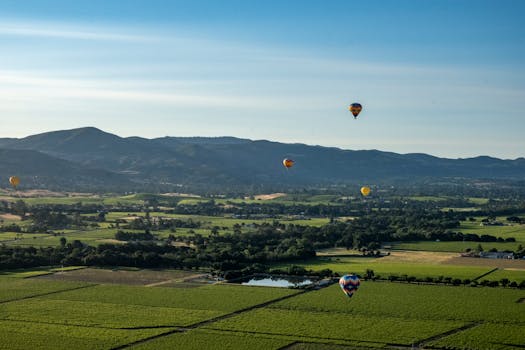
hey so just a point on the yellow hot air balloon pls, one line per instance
(365, 190)
(355, 109)
(14, 181)
(288, 163)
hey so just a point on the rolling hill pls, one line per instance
(89, 157)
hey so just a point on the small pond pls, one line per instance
(276, 281)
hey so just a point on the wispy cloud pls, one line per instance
(25, 87)
(58, 30)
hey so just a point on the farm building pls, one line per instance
(496, 255)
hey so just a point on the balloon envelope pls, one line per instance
(365, 190)
(349, 284)
(14, 181)
(355, 109)
(288, 163)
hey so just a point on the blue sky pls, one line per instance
(439, 77)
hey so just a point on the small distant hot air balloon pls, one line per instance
(288, 163)
(349, 284)
(365, 190)
(14, 181)
(355, 109)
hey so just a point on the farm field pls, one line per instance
(321, 326)
(485, 336)
(13, 288)
(516, 275)
(517, 264)
(121, 276)
(457, 247)
(385, 267)
(35, 335)
(98, 315)
(507, 230)
(206, 339)
(384, 313)
(91, 237)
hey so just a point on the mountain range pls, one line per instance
(91, 159)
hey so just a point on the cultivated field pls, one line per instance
(43, 313)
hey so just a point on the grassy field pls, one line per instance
(385, 267)
(13, 288)
(512, 230)
(508, 230)
(485, 336)
(101, 314)
(412, 301)
(30, 335)
(325, 326)
(220, 298)
(205, 339)
(511, 275)
(92, 237)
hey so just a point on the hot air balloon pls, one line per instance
(14, 181)
(365, 190)
(355, 109)
(288, 163)
(349, 284)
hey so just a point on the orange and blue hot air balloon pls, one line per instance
(288, 163)
(349, 284)
(355, 109)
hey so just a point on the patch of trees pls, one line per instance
(134, 236)
(233, 252)
(158, 223)
(470, 237)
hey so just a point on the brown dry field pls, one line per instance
(265, 197)
(396, 256)
(452, 259)
(420, 257)
(10, 217)
(177, 194)
(110, 240)
(175, 284)
(43, 193)
(103, 276)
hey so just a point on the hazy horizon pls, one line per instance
(443, 78)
